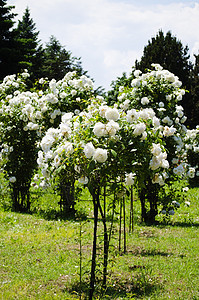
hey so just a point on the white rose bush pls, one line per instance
(192, 150)
(24, 117)
(159, 91)
(75, 138)
(102, 144)
(67, 95)
(151, 104)
(104, 148)
(70, 95)
(20, 132)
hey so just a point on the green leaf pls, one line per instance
(91, 166)
(113, 153)
(127, 193)
(111, 144)
(113, 186)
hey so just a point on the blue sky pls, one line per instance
(109, 35)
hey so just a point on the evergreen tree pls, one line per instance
(30, 52)
(58, 61)
(124, 81)
(171, 55)
(7, 45)
(194, 92)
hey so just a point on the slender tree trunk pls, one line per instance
(112, 217)
(80, 259)
(153, 199)
(94, 251)
(120, 227)
(21, 198)
(143, 206)
(67, 200)
(153, 209)
(106, 243)
(124, 219)
(28, 201)
(106, 240)
(15, 196)
(131, 223)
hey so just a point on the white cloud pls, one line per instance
(109, 35)
(119, 61)
(195, 49)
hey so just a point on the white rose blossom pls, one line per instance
(12, 179)
(132, 115)
(179, 170)
(139, 129)
(100, 155)
(89, 150)
(130, 179)
(169, 131)
(112, 127)
(100, 129)
(156, 149)
(57, 161)
(112, 114)
(159, 161)
(65, 129)
(191, 172)
(83, 180)
(144, 101)
(102, 110)
(158, 179)
(137, 73)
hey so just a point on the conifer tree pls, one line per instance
(170, 53)
(30, 52)
(58, 61)
(7, 44)
(194, 92)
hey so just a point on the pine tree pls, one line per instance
(29, 48)
(124, 81)
(171, 55)
(169, 52)
(8, 54)
(194, 92)
(58, 61)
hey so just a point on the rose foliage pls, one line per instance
(141, 140)
(24, 117)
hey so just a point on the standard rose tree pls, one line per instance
(24, 118)
(143, 134)
(158, 90)
(20, 124)
(79, 139)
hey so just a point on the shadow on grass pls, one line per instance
(143, 252)
(185, 224)
(162, 224)
(73, 215)
(138, 285)
(53, 214)
(49, 215)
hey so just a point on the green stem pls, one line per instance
(95, 196)
(124, 214)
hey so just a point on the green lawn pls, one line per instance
(40, 258)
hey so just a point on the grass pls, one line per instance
(39, 256)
